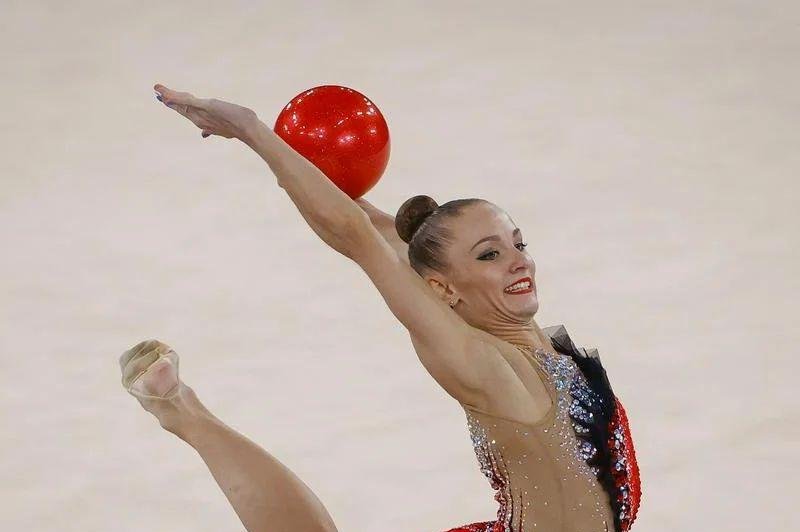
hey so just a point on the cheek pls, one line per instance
(486, 282)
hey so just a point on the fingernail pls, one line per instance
(206, 135)
(159, 98)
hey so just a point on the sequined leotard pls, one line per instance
(574, 470)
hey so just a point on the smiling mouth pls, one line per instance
(522, 286)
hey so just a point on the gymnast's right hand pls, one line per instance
(212, 116)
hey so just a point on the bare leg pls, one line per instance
(265, 494)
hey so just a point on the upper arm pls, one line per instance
(385, 225)
(448, 347)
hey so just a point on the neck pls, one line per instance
(528, 334)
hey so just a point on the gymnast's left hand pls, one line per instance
(212, 116)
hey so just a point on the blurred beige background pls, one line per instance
(647, 149)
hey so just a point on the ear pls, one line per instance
(440, 286)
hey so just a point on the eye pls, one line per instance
(521, 246)
(488, 255)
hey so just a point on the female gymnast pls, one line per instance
(546, 427)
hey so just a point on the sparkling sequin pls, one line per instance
(586, 450)
(487, 526)
(567, 436)
(625, 471)
(565, 376)
(491, 465)
(580, 413)
(580, 429)
(583, 394)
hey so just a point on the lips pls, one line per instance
(520, 286)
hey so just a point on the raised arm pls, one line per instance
(328, 210)
(448, 347)
(384, 223)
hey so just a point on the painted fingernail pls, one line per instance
(159, 98)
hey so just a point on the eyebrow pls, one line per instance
(494, 237)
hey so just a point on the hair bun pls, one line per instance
(411, 214)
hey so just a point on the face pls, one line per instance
(491, 275)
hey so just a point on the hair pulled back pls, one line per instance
(421, 223)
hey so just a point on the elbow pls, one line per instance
(353, 234)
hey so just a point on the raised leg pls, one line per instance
(266, 495)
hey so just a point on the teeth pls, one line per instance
(519, 286)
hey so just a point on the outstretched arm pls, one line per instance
(327, 210)
(452, 351)
(384, 223)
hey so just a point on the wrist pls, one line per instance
(252, 129)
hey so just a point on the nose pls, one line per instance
(522, 261)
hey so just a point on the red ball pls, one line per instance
(341, 132)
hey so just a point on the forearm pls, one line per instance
(331, 213)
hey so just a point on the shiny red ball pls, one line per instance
(341, 132)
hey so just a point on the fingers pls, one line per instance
(187, 105)
(200, 111)
(171, 97)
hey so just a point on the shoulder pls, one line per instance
(587, 360)
(512, 388)
(563, 343)
(469, 368)
(560, 338)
